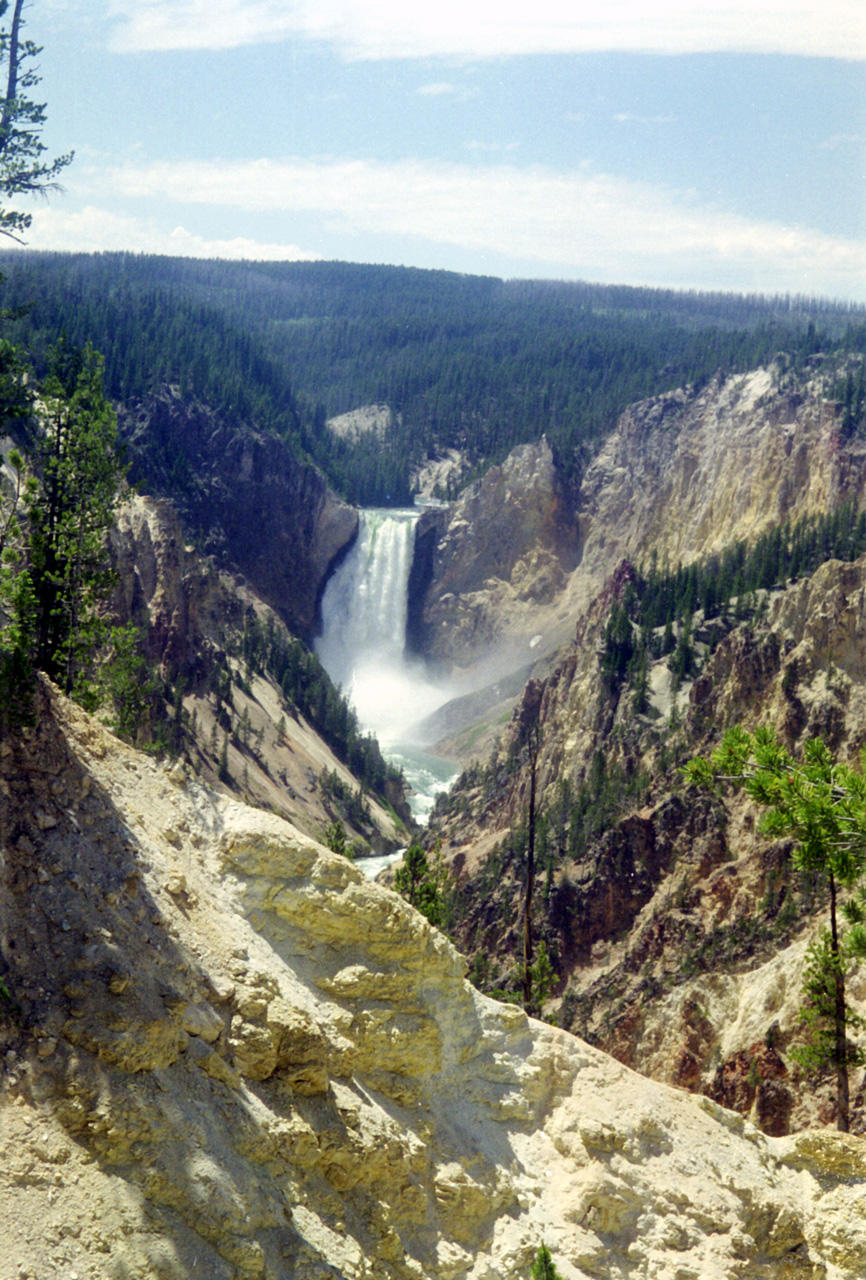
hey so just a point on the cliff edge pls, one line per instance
(226, 1054)
(516, 562)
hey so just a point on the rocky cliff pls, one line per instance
(227, 1055)
(677, 935)
(687, 474)
(521, 554)
(243, 497)
(490, 569)
(236, 535)
(231, 721)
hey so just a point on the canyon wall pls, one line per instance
(490, 569)
(243, 497)
(676, 933)
(520, 556)
(233, 722)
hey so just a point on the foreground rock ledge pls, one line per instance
(232, 1056)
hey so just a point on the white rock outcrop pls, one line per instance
(227, 1054)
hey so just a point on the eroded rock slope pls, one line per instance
(677, 935)
(231, 720)
(228, 1055)
(243, 497)
(523, 552)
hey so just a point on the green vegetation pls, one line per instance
(473, 363)
(541, 979)
(531, 735)
(352, 806)
(658, 614)
(827, 964)
(423, 884)
(16, 597)
(488, 910)
(580, 816)
(724, 586)
(566, 827)
(821, 803)
(784, 553)
(52, 529)
(130, 682)
(335, 839)
(69, 517)
(852, 393)
(307, 688)
(543, 1267)
(56, 571)
(23, 170)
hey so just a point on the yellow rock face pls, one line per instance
(682, 475)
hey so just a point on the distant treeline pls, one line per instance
(466, 362)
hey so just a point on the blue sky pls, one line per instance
(689, 143)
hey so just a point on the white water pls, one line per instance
(362, 647)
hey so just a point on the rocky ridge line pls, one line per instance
(516, 562)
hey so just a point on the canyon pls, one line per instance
(678, 933)
(229, 1054)
(243, 497)
(523, 552)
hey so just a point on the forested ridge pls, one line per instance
(466, 362)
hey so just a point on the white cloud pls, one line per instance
(627, 117)
(380, 29)
(445, 89)
(92, 230)
(840, 140)
(439, 89)
(585, 223)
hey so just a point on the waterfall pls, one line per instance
(362, 645)
(364, 607)
(363, 649)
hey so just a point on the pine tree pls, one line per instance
(130, 681)
(421, 884)
(822, 805)
(335, 838)
(543, 1267)
(23, 171)
(71, 514)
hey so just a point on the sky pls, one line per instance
(710, 144)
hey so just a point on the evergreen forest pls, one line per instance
(473, 363)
